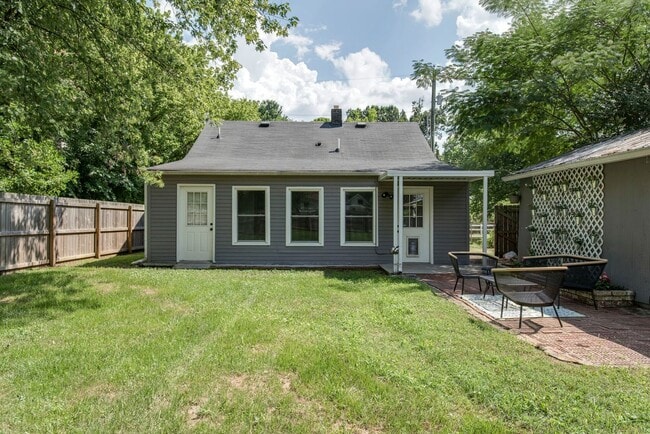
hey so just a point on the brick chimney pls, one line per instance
(337, 117)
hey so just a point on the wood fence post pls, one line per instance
(129, 233)
(98, 229)
(51, 246)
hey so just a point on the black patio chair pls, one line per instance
(532, 287)
(582, 274)
(471, 265)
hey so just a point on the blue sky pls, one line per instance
(356, 53)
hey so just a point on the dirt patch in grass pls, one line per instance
(149, 291)
(198, 413)
(179, 308)
(346, 426)
(260, 382)
(11, 298)
(103, 391)
(105, 287)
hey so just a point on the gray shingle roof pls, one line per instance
(618, 148)
(291, 147)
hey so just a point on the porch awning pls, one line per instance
(399, 176)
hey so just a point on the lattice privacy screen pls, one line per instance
(567, 212)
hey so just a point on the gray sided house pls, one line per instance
(308, 194)
(594, 201)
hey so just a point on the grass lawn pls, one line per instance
(105, 347)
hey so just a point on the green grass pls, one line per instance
(105, 347)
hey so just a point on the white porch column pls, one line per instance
(485, 213)
(400, 219)
(395, 225)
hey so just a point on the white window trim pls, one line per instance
(267, 215)
(344, 242)
(321, 217)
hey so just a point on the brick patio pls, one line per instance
(608, 336)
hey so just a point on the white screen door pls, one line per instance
(416, 238)
(195, 236)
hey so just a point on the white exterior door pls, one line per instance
(195, 230)
(417, 225)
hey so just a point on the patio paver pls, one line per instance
(604, 337)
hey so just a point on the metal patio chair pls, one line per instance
(471, 265)
(532, 287)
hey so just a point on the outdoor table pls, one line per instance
(489, 282)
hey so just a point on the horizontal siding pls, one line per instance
(161, 222)
(162, 231)
(450, 219)
(277, 253)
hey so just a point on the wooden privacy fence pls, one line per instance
(506, 229)
(42, 230)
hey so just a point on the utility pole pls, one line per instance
(425, 75)
(433, 109)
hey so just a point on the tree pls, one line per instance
(420, 116)
(568, 73)
(270, 110)
(241, 110)
(374, 113)
(112, 87)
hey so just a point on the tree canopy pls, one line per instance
(270, 110)
(568, 73)
(94, 91)
(375, 113)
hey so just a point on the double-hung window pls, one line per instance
(304, 216)
(250, 215)
(358, 216)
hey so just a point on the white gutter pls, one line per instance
(613, 158)
(275, 173)
(471, 175)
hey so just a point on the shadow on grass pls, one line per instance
(359, 280)
(42, 295)
(118, 261)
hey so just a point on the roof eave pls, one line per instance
(614, 158)
(468, 175)
(267, 173)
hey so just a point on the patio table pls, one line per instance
(489, 283)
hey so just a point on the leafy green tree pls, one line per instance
(28, 166)
(270, 110)
(568, 73)
(321, 119)
(116, 82)
(374, 113)
(420, 116)
(241, 110)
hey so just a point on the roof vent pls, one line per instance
(264, 124)
(360, 125)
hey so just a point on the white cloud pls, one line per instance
(474, 18)
(398, 4)
(429, 11)
(471, 17)
(362, 65)
(327, 51)
(367, 80)
(302, 44)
